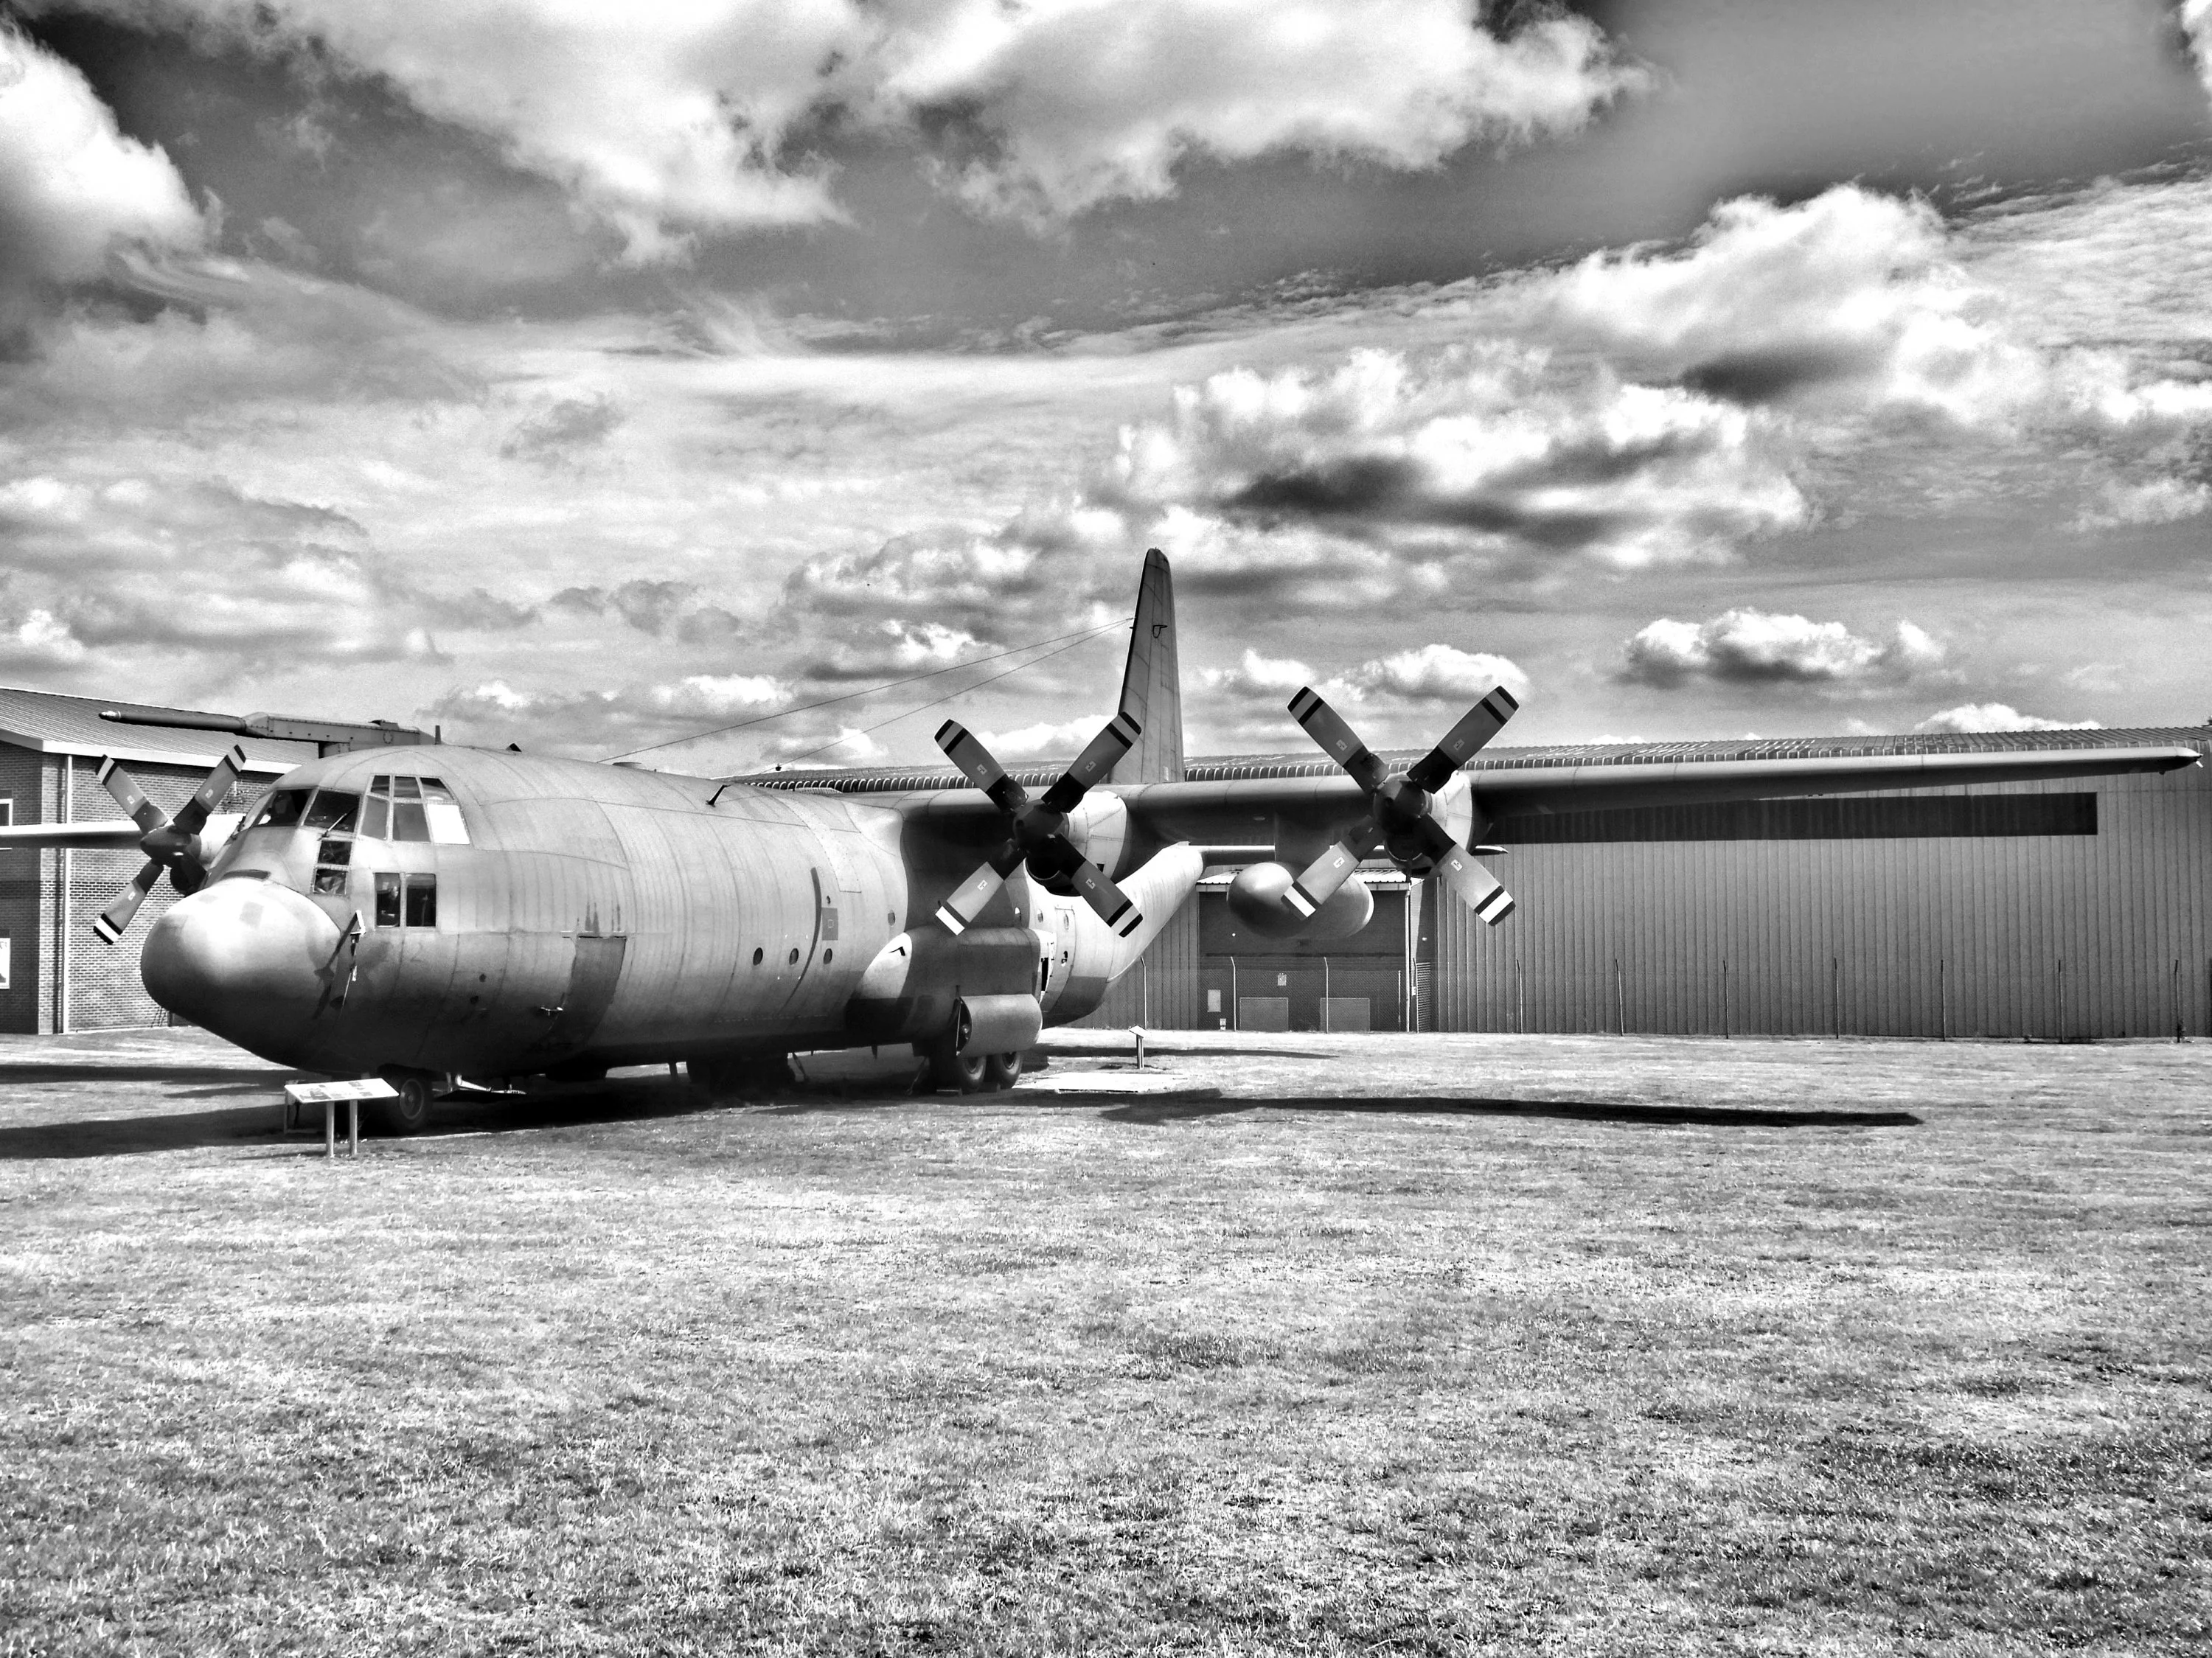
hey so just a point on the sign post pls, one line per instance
(327, 1095)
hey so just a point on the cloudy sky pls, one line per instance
(584, 376)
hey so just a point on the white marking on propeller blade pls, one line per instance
(1317, 883)
(1477, 888)
(965, 902)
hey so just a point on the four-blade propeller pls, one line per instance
(1399, 818)
(1038, 829)
(170, 843)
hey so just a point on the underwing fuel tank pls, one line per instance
(1257, 898)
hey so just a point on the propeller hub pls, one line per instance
(1401, 801)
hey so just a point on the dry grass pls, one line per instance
(1888, 1347)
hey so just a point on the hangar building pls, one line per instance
(55, 975)
(2056, 910)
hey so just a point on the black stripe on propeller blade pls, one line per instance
(1337, 739)
(1476, 727)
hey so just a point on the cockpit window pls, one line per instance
(412, 808)
(333, 812)
(283, 809)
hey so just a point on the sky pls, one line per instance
(589, 377)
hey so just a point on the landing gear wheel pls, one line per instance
(1002, 1070)
(950, 1068)
(408, 1111)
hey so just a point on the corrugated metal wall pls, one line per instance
(2045, 936)
(1160, 992)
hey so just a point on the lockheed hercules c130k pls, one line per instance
(431, 913)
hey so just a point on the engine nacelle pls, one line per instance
(1256, 898)
(1098, 828)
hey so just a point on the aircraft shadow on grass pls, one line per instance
(582, 1107)
(1151, 1112)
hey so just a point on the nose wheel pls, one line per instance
(408, 1111)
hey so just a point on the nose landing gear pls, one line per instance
(408, 1110)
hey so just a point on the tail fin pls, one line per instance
(1151, 686)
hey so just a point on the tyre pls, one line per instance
(949, 1068)
(408, 1111)
(1002, 1070)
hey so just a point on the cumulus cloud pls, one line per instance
(672, 121)
(1752, 648)
(1487, 443)
(598, 721)
(1854, 300)
(1408, 696)
(2196, 26)
(1071, 103)
(196, 574)
(1999, 717)
(1044, 740)
(73, 188)
(555, 434)
(2154, 500)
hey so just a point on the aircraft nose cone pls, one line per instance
(244, 959)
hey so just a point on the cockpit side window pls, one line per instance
(333, 812)
(283, 809)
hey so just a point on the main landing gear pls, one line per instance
(970, 1073)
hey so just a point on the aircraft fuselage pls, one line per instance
(548, 913)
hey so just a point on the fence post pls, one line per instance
(1520, 998)
(2177, 999)
(2062, 998)
(1836, 994)
(1620, 996)
(1942, 999)
(1235, 1021)
(1725, 1032)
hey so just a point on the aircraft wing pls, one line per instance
(1232, 807)
(1247, 802)
(120, 835)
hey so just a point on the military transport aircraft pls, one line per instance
(432, 913)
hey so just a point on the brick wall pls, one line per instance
(24, 893)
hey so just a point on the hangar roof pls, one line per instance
(47, 722)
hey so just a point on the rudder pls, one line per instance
(1151, 684)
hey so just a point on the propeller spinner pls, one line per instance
(1399, 815)
(1036, 830)
(170, 843)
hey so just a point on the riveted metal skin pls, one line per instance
(612, 916)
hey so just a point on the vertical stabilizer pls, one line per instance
(1151, 686)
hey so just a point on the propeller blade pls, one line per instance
(965, 902)
(1099, 891)
(1321, 879)
(1476, 727)
(1337, 740)
(977, 765)
(212, 792)
(1475, 886)
(1106, 749)
(110, 923)
(129, 796)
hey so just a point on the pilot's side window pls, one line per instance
(387, 898)
(409, 900)
(283, 809)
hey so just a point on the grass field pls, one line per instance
(1404, 1345)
